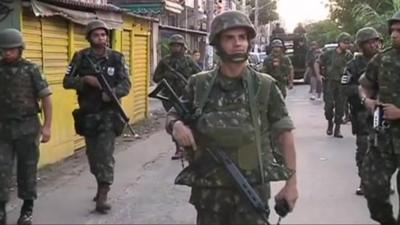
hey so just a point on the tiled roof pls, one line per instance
(75, 3)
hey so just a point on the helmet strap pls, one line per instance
(232, 58)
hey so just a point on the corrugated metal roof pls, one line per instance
(76, 4)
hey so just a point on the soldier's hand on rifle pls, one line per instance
(289, 193)
(92, 81)
(183, 135)
(105, 97)
(391, 112)
(46, 134)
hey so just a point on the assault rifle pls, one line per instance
(379, 124)
(176, 73)
(108, 90)
(220, 157)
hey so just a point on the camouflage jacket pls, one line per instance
(279, 73)
(183, 64)
(111, 65)
(224, 122)
(21, 86)
(382, 77)
(334, 64)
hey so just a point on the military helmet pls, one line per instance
(277, 43)
(395, 18)
(177, 39)
(94, 25)
(366, 34)
(228, 20)
(343, 37)
(11, 38)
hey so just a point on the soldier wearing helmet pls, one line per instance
(369, 43)
(223, 101)
(381, 82)
(22, 86)
(334, 61)
(279, 66)
(176, 68)
(97, 119)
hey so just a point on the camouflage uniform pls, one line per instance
(334, 64)
(21, 86)
(361, 118)
(382, 160)
(183, 64)
(97, 119)
(222, 106)
(101, 118)
(280, 73)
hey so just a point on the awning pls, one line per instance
(147, 8)
(112, 19)
(173, 7)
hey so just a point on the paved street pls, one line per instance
(144, 192)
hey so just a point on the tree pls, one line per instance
(367, 15)
(266, 12)
(342, 11)
(322, 32)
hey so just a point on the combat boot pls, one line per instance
(337, 133)
(26, 213)
(3, 213)
(329, 131)
(101, 203)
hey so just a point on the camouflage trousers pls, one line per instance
(379, 164)
(223, 206)
(100, 153)
(361, 123)
(334, 101)
(26, 151)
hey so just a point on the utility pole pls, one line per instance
(196, 14)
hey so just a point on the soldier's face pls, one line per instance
(98, 38)
(395, 35)
(234, 41)
(176, 48)
(345, 45)
(371, 47)
(196, 56)
(11, 54)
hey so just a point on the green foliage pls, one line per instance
(323, 32)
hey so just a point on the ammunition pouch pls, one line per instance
(86, 124)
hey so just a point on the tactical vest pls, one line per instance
(17, 90)
(226, 124)
(89, 98)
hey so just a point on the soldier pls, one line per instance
(381, 82)
(334, 61)
(22, 86)
(177, 61)
(279, 66)
(97, 119)
(369, 43)
(224, 101)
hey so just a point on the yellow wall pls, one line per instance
(51, 42)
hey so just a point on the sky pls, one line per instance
(292, 12)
